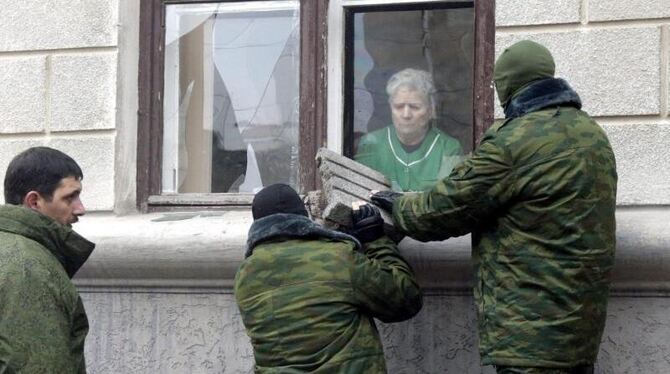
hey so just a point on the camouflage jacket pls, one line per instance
(42, 319)
(538, 196)
(308, 295)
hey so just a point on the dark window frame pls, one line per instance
(150, 116)
(313, 100)
(348, 115)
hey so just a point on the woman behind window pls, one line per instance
(413, 154)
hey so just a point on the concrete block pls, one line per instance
(23, 99)
(642, 163)
(57, 24)
(615, 71)
(83, 93)
(611, 10)
(95, 156)
(10, 148)
(334, 163)
(345, 181)
(537, 12)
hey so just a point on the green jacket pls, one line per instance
(539, 196)
(415, 171)
(42, 319)
(308, 295)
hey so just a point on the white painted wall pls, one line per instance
(58, 85)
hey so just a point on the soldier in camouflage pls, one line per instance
(538, 196)
(308, 295)
(43, 323)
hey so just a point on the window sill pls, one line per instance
(192, 251)
(198, 201)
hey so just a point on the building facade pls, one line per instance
(113, 83)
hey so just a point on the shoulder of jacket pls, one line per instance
(500, 124)
(376, 134)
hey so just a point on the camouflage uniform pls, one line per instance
(307, 297)
(42, 319)
(538, 195)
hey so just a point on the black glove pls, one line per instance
(385, 199)
(368, 223)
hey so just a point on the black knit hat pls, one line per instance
(277, 198)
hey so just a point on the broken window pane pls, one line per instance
(230, 121)
(409, 94)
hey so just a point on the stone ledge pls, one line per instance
(202, 250)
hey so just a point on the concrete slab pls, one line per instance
(344, 182)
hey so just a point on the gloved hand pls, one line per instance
(385, 199)
(368, 223)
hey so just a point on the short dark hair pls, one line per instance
(38, 169)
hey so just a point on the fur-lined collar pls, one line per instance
(542, 94)
(290, 226)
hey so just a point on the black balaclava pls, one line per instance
(277, 198)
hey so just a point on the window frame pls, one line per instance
(484, 50)
(150, 114)
(321, 119)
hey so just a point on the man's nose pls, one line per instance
(406, 112)
(79, 209)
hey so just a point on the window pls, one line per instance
(231, 96)
(233, 93)
(230, 100)
(410, 105)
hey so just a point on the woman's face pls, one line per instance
(410, 111)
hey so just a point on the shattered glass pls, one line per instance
(231, 96)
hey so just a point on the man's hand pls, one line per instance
(384, 199)
(368, 223)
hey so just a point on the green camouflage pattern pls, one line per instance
(308, 305)
(539, 197)
(43, 323)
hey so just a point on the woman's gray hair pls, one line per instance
(414, 79)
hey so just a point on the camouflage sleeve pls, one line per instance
(473, 191)
(384, 283)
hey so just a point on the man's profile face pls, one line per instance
(65, 206)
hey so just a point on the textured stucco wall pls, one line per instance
(203, 333)
(155, 307)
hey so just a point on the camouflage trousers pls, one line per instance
(584, 369)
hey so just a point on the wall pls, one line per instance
(165, 306)
(58, 78)
(68, 79)
(615, 54)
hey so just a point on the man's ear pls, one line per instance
(31, 200)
